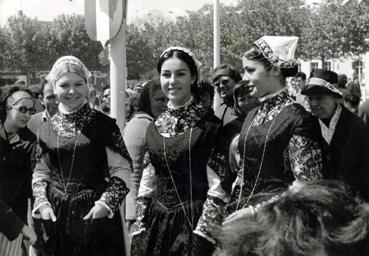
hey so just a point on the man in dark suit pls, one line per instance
(345, 134)
(49, 101)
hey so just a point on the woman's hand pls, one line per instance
(240, 214)
(29, 233)
(97, 212)
(47, 213)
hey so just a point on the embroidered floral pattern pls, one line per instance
(39, 193)
(141, 206)
(271, 56)
(69, 125)
(176, 121)
(115, 193)
(212, 214)
(306, 158)
(270, 108)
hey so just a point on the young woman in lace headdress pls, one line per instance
(179, 202)
(78, 180)
(279, 144)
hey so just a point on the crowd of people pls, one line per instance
(278, 167)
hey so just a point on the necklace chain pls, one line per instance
(190, 221)
(66, 183)
(261, 162)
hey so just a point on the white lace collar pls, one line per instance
(327, 132)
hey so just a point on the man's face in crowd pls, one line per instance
(297, 83)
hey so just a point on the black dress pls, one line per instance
(72, 175)
(175, 218)
(280, 143)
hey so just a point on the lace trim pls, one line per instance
(69, 125)
(274, 59)
(115, 193)
(270, 108)
(176, 121)
(212, 215)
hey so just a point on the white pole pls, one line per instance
(118, 75)
(216, 26)
(218, 110)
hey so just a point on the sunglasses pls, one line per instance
(24, 109)
(223, 82)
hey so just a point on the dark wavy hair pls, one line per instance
(144, 98)
(5, 93)
(240, 88)
(322, 215)
(187, 59)
(256, 55)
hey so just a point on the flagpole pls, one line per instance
(216, 29)
(216, 54)
(118, 75)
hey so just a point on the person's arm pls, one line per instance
(214, 207)
(134, 138)
(119, 163)
(305, 156)
(40, 179)
(220, 180)
(10, 224)
(117, 190)
(145, 193)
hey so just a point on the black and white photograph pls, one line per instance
(184, 127)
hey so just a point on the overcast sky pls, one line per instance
(49, 9)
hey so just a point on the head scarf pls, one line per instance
(71, 60)
(18, 96)
(278, 50)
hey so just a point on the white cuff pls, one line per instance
(111, 213)
(38, 215)
(199, 233)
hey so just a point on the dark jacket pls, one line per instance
(10, 223)
(347, 156)
(16, 171)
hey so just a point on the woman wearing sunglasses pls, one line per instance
(16, 147)
(78, 180)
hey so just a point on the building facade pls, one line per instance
(354, 67)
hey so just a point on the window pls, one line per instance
(327, 65)
(358, 69)
(313, 65)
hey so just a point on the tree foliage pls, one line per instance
(29, 45)
(69, 37)
(25, 43)
(336, 30)
(328, 30)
